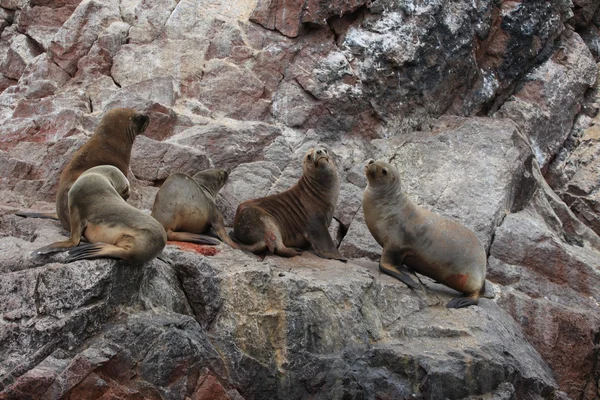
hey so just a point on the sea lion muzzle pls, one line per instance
(318, 155)
(142, 121)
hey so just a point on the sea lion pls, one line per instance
(112, 227)
(296, 217)
(186, 206)
(110, 144)
(427, 243)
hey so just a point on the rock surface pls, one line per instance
(489, 109)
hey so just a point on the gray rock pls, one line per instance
(547, 104)
(246, 182)
(470, 170)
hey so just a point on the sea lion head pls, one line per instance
(212, 179)
(114, 176)
(123, 121)
(381, 174)
(318, 163)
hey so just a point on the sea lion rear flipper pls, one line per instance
(96, 250)
(24, 214)
(54, 248)
(460, 302)
(321, 241)
(76, 231)
(192, 238)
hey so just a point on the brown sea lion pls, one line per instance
(427, 243)
(109, 145)
(186, 207)
(296, 217)
(112, 227)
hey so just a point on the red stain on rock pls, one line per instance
(197, 248)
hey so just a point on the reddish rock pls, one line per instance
(230, 143)
(40, 20)
(288, 17)
(209, 388)
(223, 81)
(77, 35)
(152, 160)
(21, 51)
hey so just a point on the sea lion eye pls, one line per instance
(384, 172)
(308, 156)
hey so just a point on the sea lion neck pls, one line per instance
(321, 189)
(211, 189)
(388, 191)
(210, 183)
(131, 134)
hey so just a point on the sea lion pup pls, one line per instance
(186, 206)
(296, 217)
(427, 243)
(112, 227)
(109, 145)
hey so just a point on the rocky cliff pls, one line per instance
(488, 108)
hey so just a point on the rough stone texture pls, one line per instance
(331, 332)
(544, 108)
(551, 279)
(249, 86)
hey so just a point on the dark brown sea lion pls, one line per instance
(186, 207)
(109, 145)
(296, 217)
(427, 243)
(112, 227)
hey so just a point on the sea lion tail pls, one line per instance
(24, 214)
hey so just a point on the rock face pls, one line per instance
(489, 110)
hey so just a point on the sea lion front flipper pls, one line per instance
(321, 241)
(396, 273)
(460, 302)
(96, 250)
(24, 214)
(386, 265)
(192, 238)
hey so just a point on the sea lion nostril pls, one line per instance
(319, 151)
(371, 162)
